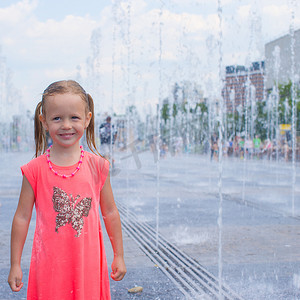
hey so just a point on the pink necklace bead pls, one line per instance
(64, 175)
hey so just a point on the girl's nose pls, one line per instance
(66, 124)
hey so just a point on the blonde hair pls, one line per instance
(62, 87)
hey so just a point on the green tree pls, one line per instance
(174, 110)
(285, 104)
(165, 112)
(261, 120)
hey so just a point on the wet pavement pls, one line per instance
(259, 214)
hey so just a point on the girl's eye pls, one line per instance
(75, 118)
(56, 118)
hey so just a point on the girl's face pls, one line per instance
(65, 118)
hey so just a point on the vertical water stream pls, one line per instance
(220, 146)
(294, 101)
(160, 24)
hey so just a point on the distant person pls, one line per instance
(107, 137)
(286, 150)
(235, 146)
(268, 148)
(249, 147)
(213, 146)
(66, 185)
(256, 145)
(241, 147)
(216, 151)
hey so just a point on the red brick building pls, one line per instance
(241, 82)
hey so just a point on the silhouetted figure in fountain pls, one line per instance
(241, 147)
(249, 147)
(257, 146)
(285, 150)
(214, 146)
(268, 148)
(107, 137)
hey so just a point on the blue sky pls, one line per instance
(43, 41)
(58, 9)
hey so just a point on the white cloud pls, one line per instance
(15, 13)
(59, 73)
(276, 11)
(35, 44)
(243, 12)
(69, 27)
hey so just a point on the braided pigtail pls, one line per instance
(90, 131)
(39, 132)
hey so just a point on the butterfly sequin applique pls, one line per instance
(69, 211)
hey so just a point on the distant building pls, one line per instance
(279, 55)
(242, 82)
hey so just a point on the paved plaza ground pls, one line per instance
(255, 209)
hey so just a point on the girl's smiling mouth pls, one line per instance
(66, 135)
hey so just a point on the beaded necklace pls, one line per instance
(63, 175)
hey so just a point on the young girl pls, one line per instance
(67, 185)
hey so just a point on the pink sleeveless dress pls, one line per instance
(68, 257)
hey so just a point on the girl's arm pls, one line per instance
(18, 234)
(112, 222)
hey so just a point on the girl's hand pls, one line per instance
(15, 278)
(118, 268)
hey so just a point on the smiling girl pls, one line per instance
(67, 185)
